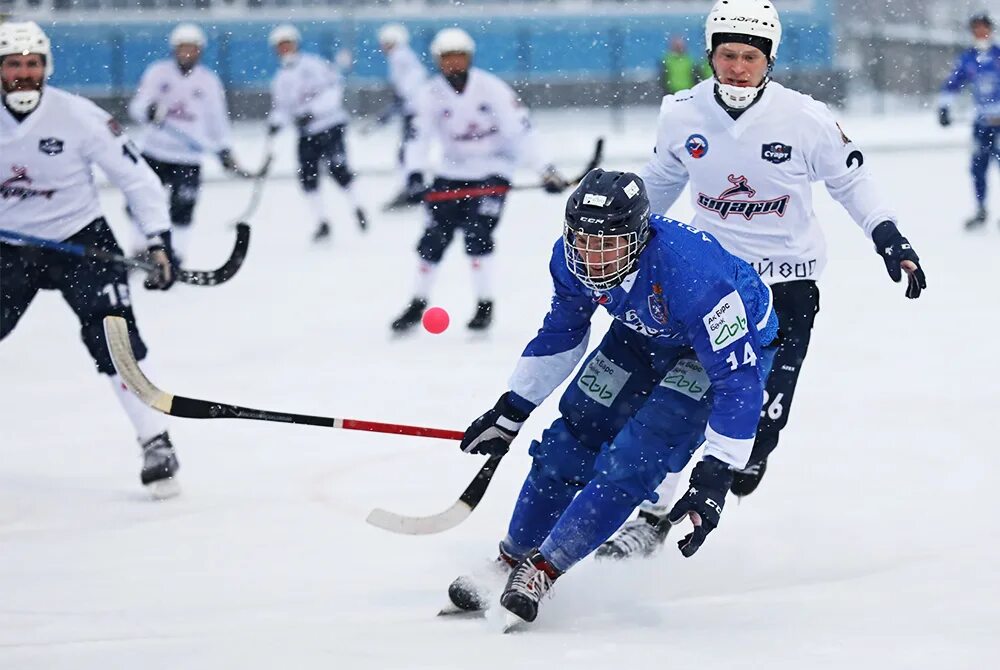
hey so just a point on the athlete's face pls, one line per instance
(603, 256)
(22, 72)
(981, 31)
(286, 48)
(454, 63)
(739, 64)
(187, 55)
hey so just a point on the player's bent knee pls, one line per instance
(92, 333)
(560, 459)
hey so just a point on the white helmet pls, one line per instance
(286, 32)
(755, 19)
(392, 34)
(187, 33)
(23, 39)
(452, 40)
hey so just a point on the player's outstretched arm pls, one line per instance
(899, 257)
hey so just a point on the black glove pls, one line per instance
(229, 165)
(272, 130)
(703, 502)
(894, 250)
(302, 121)
(944, 116)
(161, 254)
(493, 432)
(156, 114)
(415, 189)
(552, 181)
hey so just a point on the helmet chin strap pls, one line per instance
(22, 102)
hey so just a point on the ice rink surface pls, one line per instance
(873, 542)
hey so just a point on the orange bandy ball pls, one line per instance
(435, 320)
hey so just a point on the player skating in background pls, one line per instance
(406, 76)
(979, 68)
(308, 91)
(183, 107)
(751, 149)
(684, 362)
(50, 140)
(484, 132)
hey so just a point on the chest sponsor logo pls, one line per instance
(19, 187)
(731, 201)
(602, 380)
(50, 146)
(657, 308)
(696, 145)
(727, 322)
(776, 152)
(687, 377)
(473, 132)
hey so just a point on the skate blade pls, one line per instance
(452, 612)
(513, 623)
(164, 489)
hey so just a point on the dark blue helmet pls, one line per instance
(606, 226)
(980, 19)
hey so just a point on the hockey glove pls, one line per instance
(161, 254)
(302, 121)
(229, 164)
(944, 116)
(156, 114)
(552, 181)
(898, 255)
(493, 432)
(273, 130)
(703, 502)
(415, 189)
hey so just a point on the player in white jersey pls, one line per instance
(50, 140)
(183, 106)
(406, 76)
(750, 149)
(308, 92)
(484, 132)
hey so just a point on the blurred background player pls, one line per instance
(979, 67)
(484, 131)
(308, 91)
(684, 309)
(751, 149)
(678, 70)
(406, 76)
(50, 140)
(182, 105)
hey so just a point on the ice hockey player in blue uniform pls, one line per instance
(684, 363)
(979, 67)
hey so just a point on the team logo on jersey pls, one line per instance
(602, 298)
(696, 145)
(656, 307)
(50, 146)
(115, 127)
(776, 152)
(727, 203)
(19, 186)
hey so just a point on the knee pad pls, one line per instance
(308, 179)
(432, 244)
(478, 244)
(182, 202)
(341, 174)
(559, 458)
(92, 333)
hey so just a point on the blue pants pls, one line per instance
(984, 148)
(636, 411)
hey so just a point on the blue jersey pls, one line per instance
(981, 71)
(687, 291)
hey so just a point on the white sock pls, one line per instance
(426, 274)
(352, 195)
(315, 200)
(666, 490)
(146, 421)
(482, 276)
(180, 239)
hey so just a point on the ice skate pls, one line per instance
(977, 220)
(483, 317)
(410, 316)
(159, 465)
(469, 595)
(640, 538)
(527, 584)
(362, 219)
(322, 232)
(747, 480)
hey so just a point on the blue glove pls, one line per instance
(703, 502)
(415, 189)
(894, 250)
(493, 432)
(944, 116)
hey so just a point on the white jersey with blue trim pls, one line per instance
(687, 291)
(751, 177)
(308, 85)
(406, 75)
(197, 117)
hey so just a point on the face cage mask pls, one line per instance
(22, 102)
(622, 257)
(741, 97)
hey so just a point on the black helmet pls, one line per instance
(607, 224)
(980, 19)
